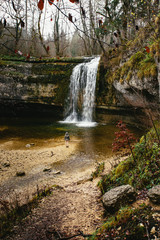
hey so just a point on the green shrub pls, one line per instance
(98, 171)
(128, 223)
(142, 173)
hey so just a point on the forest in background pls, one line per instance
(48, 28)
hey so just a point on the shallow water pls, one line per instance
(94, 142)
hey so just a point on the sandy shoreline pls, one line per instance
(39, 163)
(27, 160)
(35, 162)
(73, 207)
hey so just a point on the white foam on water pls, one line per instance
(86, 124)
(80, 123)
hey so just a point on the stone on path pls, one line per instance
(154, 194)
(114, 198)
(20, 173)
(6, 164)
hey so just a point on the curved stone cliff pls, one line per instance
(34, 86)
(128, 78)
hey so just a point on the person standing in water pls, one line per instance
(67, 139)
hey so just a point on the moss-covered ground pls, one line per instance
(142, 172)
(129, 224)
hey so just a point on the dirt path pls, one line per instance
(73, 207)
(68, 210)
(75, 203)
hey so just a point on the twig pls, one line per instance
(145, 226)
(67, 238)
(52, 154)
(147, 231)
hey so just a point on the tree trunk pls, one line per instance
(40, 35)
(85, 30)
(94, 29)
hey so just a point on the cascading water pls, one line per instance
(81, 99)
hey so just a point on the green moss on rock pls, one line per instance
(105, 94)
(44, 82)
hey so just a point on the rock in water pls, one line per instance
(28, 145)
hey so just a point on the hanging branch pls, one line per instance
(97, 35)
(77, 28)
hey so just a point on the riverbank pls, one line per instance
(34, 163)
(75, 203)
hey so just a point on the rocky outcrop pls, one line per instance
(130, 76)
(43, 82)
(128, 85)
(154, 194)
(118, 196)
(35, 84)
(137, 93)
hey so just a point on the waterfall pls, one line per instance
(81, 98)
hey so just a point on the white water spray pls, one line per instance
(81, 99)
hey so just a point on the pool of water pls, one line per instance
(95, 140)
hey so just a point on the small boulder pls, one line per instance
(47, 169)
(6, 164)
(57, 172)
(28, 145)
(20, 174)
(116, 197)
(154, 194)
(32, 144)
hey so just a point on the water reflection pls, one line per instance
(93, 144)
(93, 141)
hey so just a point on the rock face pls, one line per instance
(137, 93)
(116, 197)
(32, 83)
(131, 78)
(35, 82)
(154, 194)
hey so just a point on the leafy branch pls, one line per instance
(124, 139)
